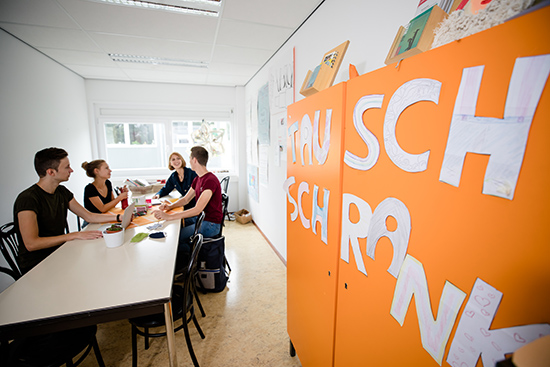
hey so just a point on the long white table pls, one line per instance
(85, 283)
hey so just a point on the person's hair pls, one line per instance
(200, 154)
(48, 158)
(170, 167)
(90, 167)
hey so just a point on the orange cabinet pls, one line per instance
(436, 248)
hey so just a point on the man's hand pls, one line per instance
(159, 214)
(166, 205)
(87, 235)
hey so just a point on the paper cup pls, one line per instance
(113, 239)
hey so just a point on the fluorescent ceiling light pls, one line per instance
(158, 61)
(172, 7)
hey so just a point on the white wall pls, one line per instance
(42, 104)
(370, 26)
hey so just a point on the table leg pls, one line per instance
(170, 337)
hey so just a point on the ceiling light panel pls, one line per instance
(195, 7)
(158, 61)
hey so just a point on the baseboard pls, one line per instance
(270, 244)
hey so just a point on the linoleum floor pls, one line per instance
(245, 325)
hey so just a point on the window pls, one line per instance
(215, 136)
(136, 142)
(134, 145)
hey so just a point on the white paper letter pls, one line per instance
(321, 152)
(399, 238)
(434, 333)
(352, 231)
(304, 187)
(503, 139)
(286, 186)
(409, 93)
(364, 164)
(473, 336)
(305, 138)
(292, 133)
(320, 215)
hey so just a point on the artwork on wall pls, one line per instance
(324, 74)
(252, 182)
(281, 83)
(263, 115)
(251, 133)
(417, 36)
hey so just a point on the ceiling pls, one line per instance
(80, 34)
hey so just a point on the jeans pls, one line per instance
(207, 229)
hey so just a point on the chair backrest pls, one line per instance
(9, 246)
(225, 203)
(192, 266)
(224, 183)
(198, 224)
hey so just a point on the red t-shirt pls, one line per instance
(213, 210)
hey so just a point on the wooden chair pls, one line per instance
(182, 309)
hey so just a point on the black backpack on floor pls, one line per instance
(212, 274)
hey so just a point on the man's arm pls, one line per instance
(181, 202)
(194, 211)
(88, 216)
(28, 227)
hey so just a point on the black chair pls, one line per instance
(51, 350)
(225, 203)
(9, 246)
(182, 308)
(224, 183)
(180, 273)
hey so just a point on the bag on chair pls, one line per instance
(212, 275)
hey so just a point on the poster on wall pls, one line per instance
(281, 83)
(251, 134)
(263, 115)
(264, 164)
(252, 182)
(280, 151)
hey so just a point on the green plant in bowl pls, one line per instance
(114, 228)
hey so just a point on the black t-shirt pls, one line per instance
(51, 216)
(90, 191)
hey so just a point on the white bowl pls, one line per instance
(113, 239)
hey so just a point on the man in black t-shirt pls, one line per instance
(40, 212)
